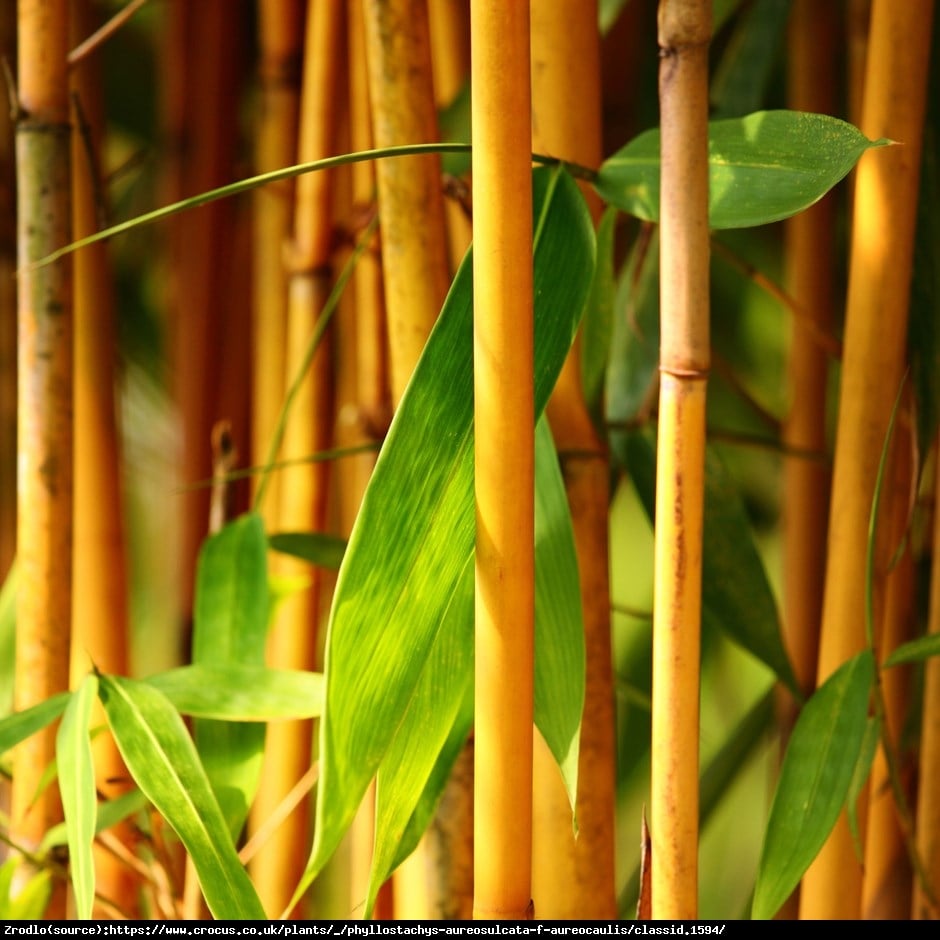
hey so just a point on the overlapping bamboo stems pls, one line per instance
(280, 35)
(45, 433)
(928, 797)
(278, 866)
(887, 879)
(873, 361)
(504, 458)
(100, 594)
(201, 77)
(416, 278)
(370, 411)
(574, 878)
(7, 310)
(684, 34)
(810, 262)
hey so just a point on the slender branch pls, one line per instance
(99, 36)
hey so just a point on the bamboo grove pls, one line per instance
(469, 459)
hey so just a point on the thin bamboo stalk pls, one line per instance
(928, 798)
(280, 34)
(7, 309)
(887, 880)
(370, 412)
(504, 459)
(44, 529)
(875, 334)
(574, 877)
(278, 866)
(684, 34)
(810, 260)
(100, 596)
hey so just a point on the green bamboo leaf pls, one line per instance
(915, 651)
(230, 623)
(162, 759)
(319, 548)
(33, 891)
(814, 781)
(237, 693)
(598, 321)
(7, 639)
(860, 777)
(415, 528)
(20, 725)
(762, 168)
(77, 785)
(414, 770)
(736, 594)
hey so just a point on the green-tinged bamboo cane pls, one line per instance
(293, 644)
(875, 334)
(574, 877)
(504, 461)
(684, 34)
(7, 310)
(280, 35)
(44, 480)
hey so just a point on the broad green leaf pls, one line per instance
(736, 594)
(742, 75)
(230, 623)
(762, 168)
(237, 693)
(415, 528)
(77, 785)
(814, 781)
(634, 352)
(915, 651)
(598, 321)
(20, 725)
(414, 770)
(162, 759)
(319, 548)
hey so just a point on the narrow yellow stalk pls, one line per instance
(100, 597)
(416, 277)
(875, 335)
(887, 879)
(369, 415)
(684, 34)
(928, 797)
(450, 44)
(810, 260)
(7, 311)
(574, 877)
(278, 866)
(44, 519)
(280, 34)
(410, 201)
(504, 458)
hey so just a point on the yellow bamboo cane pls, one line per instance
(278, 866)
(504, 461)
(928, 797)
(280, 38)
(684, 34)
(875, 334)
(7, 310)
(100, 597)
(574, 878)
(44, 481)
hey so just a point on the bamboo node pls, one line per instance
(693, 374)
